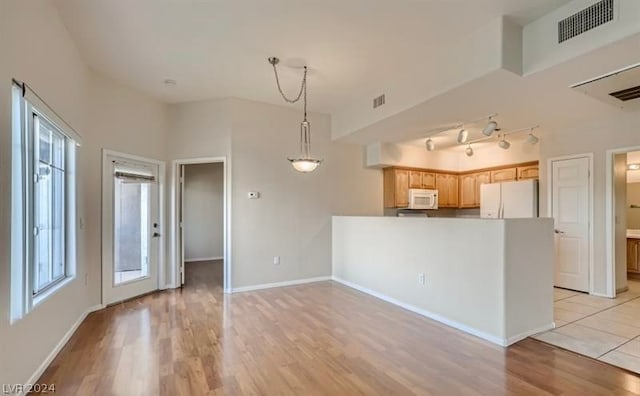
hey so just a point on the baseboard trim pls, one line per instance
(203, 259)
(600, 295)
(438, 318)
(43, 367)
(522, 336)
(280, 284)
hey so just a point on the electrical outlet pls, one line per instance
(422, 278)
(276, 260)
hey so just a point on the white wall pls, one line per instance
(594, 137)
(203, 211)
(497, 287)
(36, 48)
(486, 155)
(292, 219)
(540, 38)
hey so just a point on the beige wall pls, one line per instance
(292, 219)
(203, 211)
(36, 48)
(633, 198)
(596, 136)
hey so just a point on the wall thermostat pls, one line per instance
(253, 195)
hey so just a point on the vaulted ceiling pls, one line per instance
(218, 48)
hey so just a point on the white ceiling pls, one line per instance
(218, 48)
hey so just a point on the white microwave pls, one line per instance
(422, 199)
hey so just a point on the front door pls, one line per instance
(570, 201)
(131, 229)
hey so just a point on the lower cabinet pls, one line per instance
(633, 255)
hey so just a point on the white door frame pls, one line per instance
(175, 260)
(549, 182)
(611, 218)
(161, 242)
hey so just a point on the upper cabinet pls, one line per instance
(503, 175)
(454, 190)
(447, 185)
(421, 179)
(396, 188)
(528, 172)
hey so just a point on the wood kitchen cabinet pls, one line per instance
(633, 255)
(470, 189)
(420, 179)
(396, 188)
(447, 185)
(528, 172)
(504, 175)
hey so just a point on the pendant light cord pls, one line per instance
(303, 88)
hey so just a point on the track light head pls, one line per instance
(490, 128)
(532, 139)
(463, 135)
(503, 144)
(469, 151)
(430, 145)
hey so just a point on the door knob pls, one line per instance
(558, 232)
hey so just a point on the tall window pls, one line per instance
(49, 205)
(42, 202)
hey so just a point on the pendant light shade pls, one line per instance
(490, 128)
(469, 151)
(430, 145)
(305, 163)
(503, 144)
(463, 135)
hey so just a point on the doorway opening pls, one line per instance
(623, 220)
(201, 219)
(132, 244)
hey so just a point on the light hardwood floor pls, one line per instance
(316, 339)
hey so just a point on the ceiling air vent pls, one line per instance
(585, 20)
(379, 101)
(627, 94)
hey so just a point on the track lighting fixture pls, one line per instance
(468, 151)
(490, 128)
(532, 139)
(503, 144)
(463, 135)
(430, 145)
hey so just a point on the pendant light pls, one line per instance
(430, 145)
(305, 162)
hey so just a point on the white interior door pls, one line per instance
(131, 231)
(570, 210)
(181, 223)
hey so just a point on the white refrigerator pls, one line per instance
(509, 200)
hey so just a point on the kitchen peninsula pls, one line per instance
(488, 277)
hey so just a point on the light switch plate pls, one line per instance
(253, 195)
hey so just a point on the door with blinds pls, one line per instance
(131, 227)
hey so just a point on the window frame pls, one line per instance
(25, 162)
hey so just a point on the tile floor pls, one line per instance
(602, 328)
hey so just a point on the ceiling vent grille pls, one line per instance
(379, 101)
(627, 94)
(585, 20)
